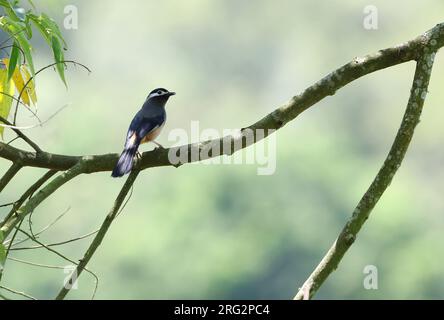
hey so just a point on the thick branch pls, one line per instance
(382, 180)
(101, 234)
(358, 67)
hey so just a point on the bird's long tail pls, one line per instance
(125, 163)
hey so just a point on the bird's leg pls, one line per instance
(138, 155)
(159, 146)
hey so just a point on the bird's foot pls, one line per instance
(159, 146)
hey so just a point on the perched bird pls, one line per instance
(145, 127)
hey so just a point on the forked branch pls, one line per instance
(382, 180)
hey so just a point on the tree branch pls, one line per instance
(7, 177)
(21, 135)
(44, 193)
(28, 193)
(101, 234)
(353, 70)
(382, 180)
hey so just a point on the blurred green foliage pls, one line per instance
(222, 231)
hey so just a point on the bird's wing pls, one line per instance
(140, 127)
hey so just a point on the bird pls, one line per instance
(145, 127)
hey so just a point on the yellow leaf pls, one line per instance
(6, 88)
(19, 83)
(31, 86)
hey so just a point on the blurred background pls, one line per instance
(222, 231)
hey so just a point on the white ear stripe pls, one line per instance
(154, 94)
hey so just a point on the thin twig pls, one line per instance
(32, 126)
(12, 36)
(17, 292)
(57, 243)
(35, 200)
(36, 264)
(35, 75)
(21, 135)
(96, 278)
(7, 204)
(14, 46)
(41, 231)
(8, 250)
(102, 232)
(23, 104)
(12, 140)
(7, 177)
(28, 193)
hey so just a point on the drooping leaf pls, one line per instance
(59, 58)
(6, 91)
(15, 54)
(26, 47)
(18, 24)
(28, 27)
(49, 22)
(45, 32)
(47, 27)
(19, 83)
(30, 88)
(17, 30)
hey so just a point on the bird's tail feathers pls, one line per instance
(125, 162)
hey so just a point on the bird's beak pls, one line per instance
(171, 94)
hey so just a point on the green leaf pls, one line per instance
(59, 57)
(54, 28)
(28, 27)
(15, 54)
(40, 27)
(47, 27)
(7, 88)
(16, 29)
(9, 10)
(26, 47)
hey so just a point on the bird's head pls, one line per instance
(160, 94)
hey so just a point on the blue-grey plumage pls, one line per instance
(145, 127)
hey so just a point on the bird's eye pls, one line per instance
(159, 92)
